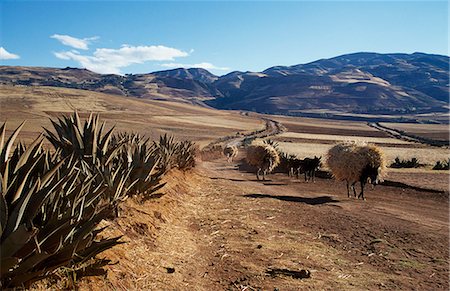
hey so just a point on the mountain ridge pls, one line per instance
(363, 82)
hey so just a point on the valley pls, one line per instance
(217, 227)
(224, 145)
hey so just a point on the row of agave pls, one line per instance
(52, 200)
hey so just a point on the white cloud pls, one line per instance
(5, 55)
(204, 65)
(78, 43)
(109, 61)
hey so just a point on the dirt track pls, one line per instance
(235, 230)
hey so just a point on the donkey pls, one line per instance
(310, 166)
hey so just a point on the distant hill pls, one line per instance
(360, 82)
(354, 83)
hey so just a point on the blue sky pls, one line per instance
(145, 36)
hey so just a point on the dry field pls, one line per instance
(220, 229)
(37, 104)
(433, 131)
(307, 137)
(217, 228)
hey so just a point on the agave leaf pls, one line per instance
(25, 279)
(2, 136)
(16, 240)
(59, 129)
(6, 264)
(9, 143)
(53, 241)
(105, 140)
(94, 139)
(52, 172)
(15, 218)
(28, 264)
(3, 214)
(4, 177)
(96, 248)
(18, 193)
(64, 257)
(32, 148)
(77, 120)
(95, 197)
(79, 138)
(85, 228)
(113, 154)
(41, 196)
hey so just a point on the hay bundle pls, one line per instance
(353, 162)
(264, 157)
(230, 151)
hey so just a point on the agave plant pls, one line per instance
(123, 162)
(145, 174)
(87, 141)
(185, 155)
(165, 151)
(272, 143)
(98, 158)
(49, 212)
(286, 161)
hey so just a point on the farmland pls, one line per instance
(216, 227)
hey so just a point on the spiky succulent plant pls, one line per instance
(165, 151)
(185, 155)
(49, 214)
(52, 201)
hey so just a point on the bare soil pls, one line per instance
(218, 228)
(221, 229)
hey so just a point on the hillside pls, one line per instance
(358, 83)
(355, 83)
(37, 104)
(217, 228)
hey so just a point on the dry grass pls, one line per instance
(152, 118)
(307, 137)
(324, 123)
(433, 131)
(140, 225)
(338, 138)
(425, 155)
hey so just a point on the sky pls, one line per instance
(122, 37)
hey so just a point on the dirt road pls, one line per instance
(271, 128)
(237, 233)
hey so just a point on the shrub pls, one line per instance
(412, 163)
(98, 158)
(142, 163)
(444, 165)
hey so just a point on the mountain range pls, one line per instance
(354, 83)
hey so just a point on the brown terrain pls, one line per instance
(218, 228)
(387, 86)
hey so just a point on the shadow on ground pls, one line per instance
(229, 179)
(306, 200)
(274, 183)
